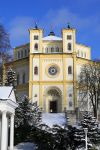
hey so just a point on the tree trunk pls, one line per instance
(95, 112)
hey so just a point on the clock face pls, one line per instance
(52, 70)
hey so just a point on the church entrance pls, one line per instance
(53, 106)
(53, 100)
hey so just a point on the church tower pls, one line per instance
(69, 39)
(36, 35)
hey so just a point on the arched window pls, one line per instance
(57, 49)
(36, 70)
(70, 70)
(69, 46)
(23, 78)
(36, 46)
(52, 49)
(18, 78)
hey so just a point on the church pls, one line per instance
(48, 68)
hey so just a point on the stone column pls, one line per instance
(12, 132)
(4, 131)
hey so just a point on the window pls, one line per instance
(81, 54)
(85, 54)
(35, 95)
(46, 50)
(36, 37)
(25, 52)
(78, 53)
(36, 70)
(69, 46)
(21, 54)
(70, 70)
(23, 78)
(70, 95)
(18, 55)
(36, 46)
(18, 77)
(69, 37)
(52, 49)
(70, 104)
(57, 49)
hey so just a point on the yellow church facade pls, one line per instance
(48, 67)
(54, 66)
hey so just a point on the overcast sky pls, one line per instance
(19, 15)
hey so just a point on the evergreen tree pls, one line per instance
(55, 138)
(93, 134)
(10, 77)
(61, 137)
(27, 115)
(91, 124)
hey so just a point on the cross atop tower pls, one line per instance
(68, 26)
(51, 31)
(36, 26)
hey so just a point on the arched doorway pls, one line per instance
(53, 100)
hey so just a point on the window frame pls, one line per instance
(24, 78)
(69, 46)
(18, 55)
(36, 37)
(69, 37)
(70, 72)
(36, 46)
(35, 70)
(52, 50)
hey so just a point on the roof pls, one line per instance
(52, 38)
(21, 46)
(7, 93)
(79, 44)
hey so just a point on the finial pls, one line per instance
(68, 25)
(36, 27)
(51, 31)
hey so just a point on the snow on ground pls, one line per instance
(53, 118)
(25, 146)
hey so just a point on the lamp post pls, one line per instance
(86, 131)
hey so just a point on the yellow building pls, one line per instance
(51, 71)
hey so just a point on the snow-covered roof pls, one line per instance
(7, 93)
(52, 38)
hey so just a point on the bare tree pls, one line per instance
(4, 39)
(89, 86)
(4, 47)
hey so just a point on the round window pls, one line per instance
(52, 70)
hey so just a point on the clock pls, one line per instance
(52, 70)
